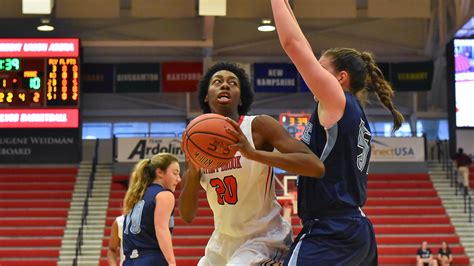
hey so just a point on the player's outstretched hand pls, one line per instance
(243, 144)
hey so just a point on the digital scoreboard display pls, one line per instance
(39, 83)
(294, 123)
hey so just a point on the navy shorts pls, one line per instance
(335, 241)
(148, 259)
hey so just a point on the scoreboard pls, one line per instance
(294, 123)
(39, 101)
(39, 74)
(27, 82)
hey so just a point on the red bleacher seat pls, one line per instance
(34, 204)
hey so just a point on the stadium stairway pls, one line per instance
(404, 208)
(34, 205)
(95, 220)
(454, 206)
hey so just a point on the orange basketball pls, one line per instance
(206, 141)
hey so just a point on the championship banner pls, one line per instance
(136, 149)
(398, 149)
(181, 76)
(278, 77)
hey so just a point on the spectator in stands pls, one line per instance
(424, 256)
(444, 254)
(115, 242)
(148, 209)
(463, 162)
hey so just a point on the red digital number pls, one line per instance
(226, 189)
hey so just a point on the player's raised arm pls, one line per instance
(324, 86)
(293, 155)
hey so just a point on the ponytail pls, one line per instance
(384, 90)
(139, 181)
(143, 175)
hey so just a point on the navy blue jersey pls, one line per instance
(139, 224)
(345, 152)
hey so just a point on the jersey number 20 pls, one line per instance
(226, 189)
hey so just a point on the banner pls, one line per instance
(97, 78)
(39, 47)
(398, 149)
(39, 118)
(278, 77)
(137, 77)
(181, 76)
(40, 146)
(136, 149)
(414, 76)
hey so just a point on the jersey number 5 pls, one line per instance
(226, 189)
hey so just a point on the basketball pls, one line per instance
(206, 141)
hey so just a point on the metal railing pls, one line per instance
(452, 175)
(85, 207)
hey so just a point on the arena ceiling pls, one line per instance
(146, 30)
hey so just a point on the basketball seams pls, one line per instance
(198, 148)
(212, 155)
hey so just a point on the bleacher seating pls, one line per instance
(404, 208)
(34, 205)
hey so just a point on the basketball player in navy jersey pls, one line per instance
(335, 230)
(148, 209)
(249, 228)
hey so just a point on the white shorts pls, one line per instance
(264, 248)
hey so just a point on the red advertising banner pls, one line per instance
(181, 76)
(39, 47)
(39, 118)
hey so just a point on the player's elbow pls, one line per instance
(291, 45)
(318, 170)
(321, 170)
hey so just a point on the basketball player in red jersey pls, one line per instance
(249, 229)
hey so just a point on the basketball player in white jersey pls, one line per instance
(115, 242)
(249, 229)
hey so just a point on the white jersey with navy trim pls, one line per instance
(242, 193)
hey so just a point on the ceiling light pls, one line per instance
(266, 26)
(45, 25)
